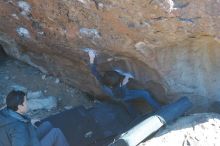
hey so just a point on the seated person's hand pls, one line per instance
(35, 121)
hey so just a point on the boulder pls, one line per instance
(47, 103)
(174, 44)
(38, 101)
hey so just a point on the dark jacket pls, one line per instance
(16, 130)
(117, 92)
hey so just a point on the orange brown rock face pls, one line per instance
(173, 43)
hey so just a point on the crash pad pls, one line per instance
(96, 126)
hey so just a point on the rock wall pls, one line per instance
(171, 46)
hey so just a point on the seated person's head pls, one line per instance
(111, 78)
(16, 101)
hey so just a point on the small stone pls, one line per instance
(96, 101)
(109, 59)
(101, 5)
(47, 103)
(88, 134)
(43, 77)
(57, 81)
(37, 94)
(7, 77)
(140, 46)
(41, 33)
(15, 16)
(68, 107)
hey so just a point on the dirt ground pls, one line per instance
(17, 73)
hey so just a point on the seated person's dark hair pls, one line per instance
(14, 99)
(111, 78)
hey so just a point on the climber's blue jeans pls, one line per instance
(173, 110)
(135, 94)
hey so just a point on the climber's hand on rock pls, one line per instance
(126, 78)
(92, 54)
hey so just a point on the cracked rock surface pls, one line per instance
(174, 43)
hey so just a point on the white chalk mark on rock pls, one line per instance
(90, 33)
(25, 7)
(23, 32)
(171, 5)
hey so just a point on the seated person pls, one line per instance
(16, 128)
(114, 84)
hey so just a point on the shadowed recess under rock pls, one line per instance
(96, 126)
(2, 52)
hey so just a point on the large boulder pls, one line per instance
(171, 46)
